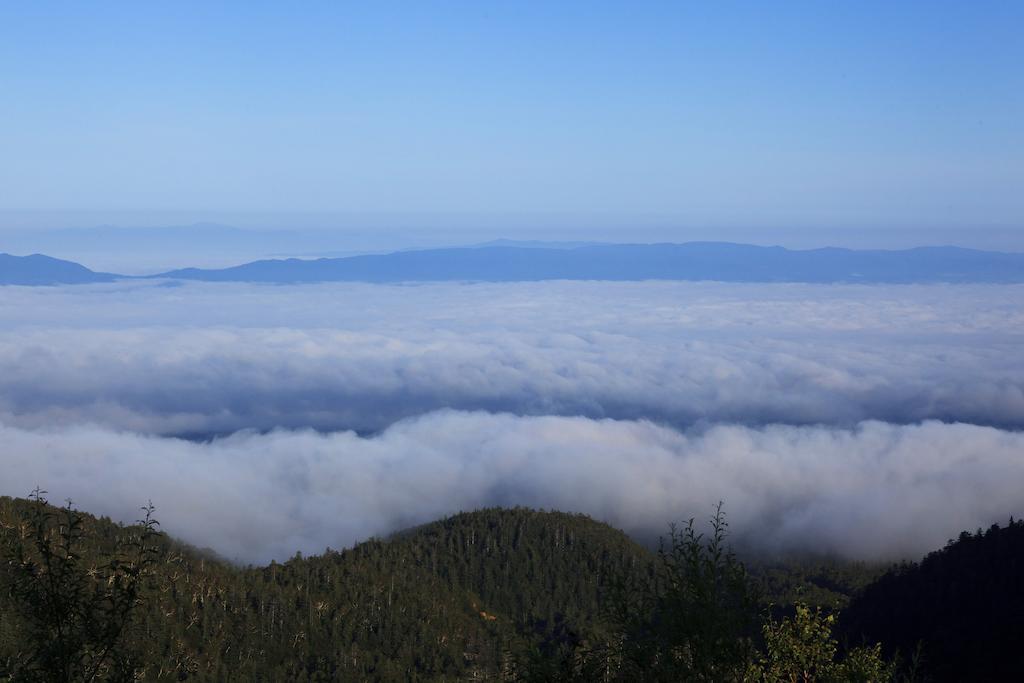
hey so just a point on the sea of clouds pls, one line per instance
(872, 422)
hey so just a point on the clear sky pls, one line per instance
(761, 115)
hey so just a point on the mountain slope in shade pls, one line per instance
(45, 270)
(691, 261)
(964, 606)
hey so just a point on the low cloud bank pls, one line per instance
(204, 359)
(875, 491)
(828, 418)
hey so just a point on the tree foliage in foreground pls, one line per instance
(68, 616)
(803, 648)
(697, 616)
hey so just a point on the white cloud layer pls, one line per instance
(214, 358)
(877, 491)
(819, 414)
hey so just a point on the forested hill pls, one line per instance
(489, 594)
(448, 600)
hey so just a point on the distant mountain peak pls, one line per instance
(38, 269)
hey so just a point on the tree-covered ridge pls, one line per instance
(827, 582)
(961, 608)
(496, 594)
(527, 565)
(445, 601)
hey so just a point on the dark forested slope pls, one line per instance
(964, 604)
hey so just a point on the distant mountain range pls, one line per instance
(509, 262)
(690, 261)
(44, 270)
(139, 251)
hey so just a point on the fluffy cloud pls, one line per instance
(204, 359)
(828, 418)
(875, 491)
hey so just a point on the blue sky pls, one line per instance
(760, 116)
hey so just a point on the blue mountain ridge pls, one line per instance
(719, 261)
(38, 269)
(692, 261)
